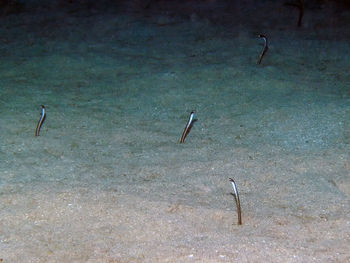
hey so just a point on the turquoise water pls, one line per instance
(107, 179)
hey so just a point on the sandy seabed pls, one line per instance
(108, 181)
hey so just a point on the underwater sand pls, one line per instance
(108, 181)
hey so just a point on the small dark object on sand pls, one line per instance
(188, 127)
(41, 120)
(238, 203)
(300, 6)
(266, 48)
